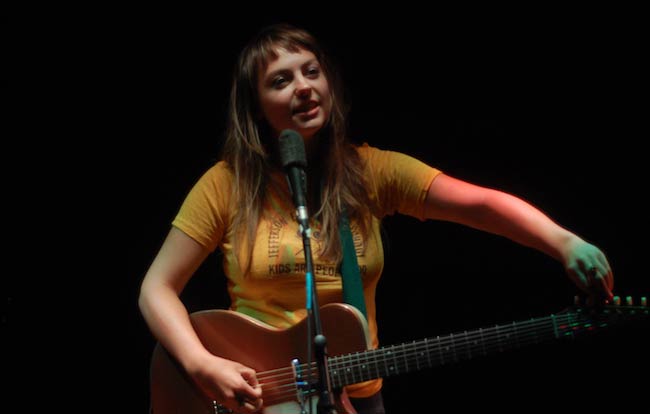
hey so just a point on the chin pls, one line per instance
(309, 131)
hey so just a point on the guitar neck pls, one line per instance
(452, 348)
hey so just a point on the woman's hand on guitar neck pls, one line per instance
(229, 383)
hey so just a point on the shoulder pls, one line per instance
(392, 166)
(369, 154)
(373, 156)
(219, 174)
(217, 181)
(220, 170)
(365, 150)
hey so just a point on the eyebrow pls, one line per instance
(270, 75)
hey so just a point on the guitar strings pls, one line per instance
(279, 384)
(399, 351)
(288, 390)
(524, 334)
(458, 344)
(456, 347)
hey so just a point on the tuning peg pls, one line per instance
(617, 300)
(628, 301)
(644, 301)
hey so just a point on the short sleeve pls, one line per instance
(398, 182)
(205, 213)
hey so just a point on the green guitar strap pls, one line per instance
(352, 286)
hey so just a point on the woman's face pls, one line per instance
(294, 93)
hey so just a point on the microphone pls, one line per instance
(294, 162)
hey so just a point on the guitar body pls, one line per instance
(257, 345)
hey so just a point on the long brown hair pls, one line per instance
(248, 145)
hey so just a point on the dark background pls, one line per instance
(545, 104)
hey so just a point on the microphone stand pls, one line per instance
(293, 159)
(326, 397)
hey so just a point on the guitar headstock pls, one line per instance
(585, 318)
(616, 309)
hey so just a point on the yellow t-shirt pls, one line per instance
(273, 290)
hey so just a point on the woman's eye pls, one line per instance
(278, 82)
(313, 71)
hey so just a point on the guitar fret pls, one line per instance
(473, 344)
(390, 367)
(442, 358)
(515, 334)
(548, 329)
(571, 323)
(482, 341)
(334, 374)
(418, 355)
(387, 369)
(337, 373)
(351, 371)
(331, 365)
(554, 325)
(361, 367)
(469, 347)
(344, 369)
(496, 328)
(406, 362)
(376, 363)
(453, 347)
(505, 337)
(531, 322)
(350, 367)
(426, 348)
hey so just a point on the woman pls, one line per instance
(242, 206)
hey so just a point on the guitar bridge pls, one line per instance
(303, 388)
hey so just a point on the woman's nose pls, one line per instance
(302, 88)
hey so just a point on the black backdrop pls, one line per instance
(543, 106)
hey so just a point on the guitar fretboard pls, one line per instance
(431, 352)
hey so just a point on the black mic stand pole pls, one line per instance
(326, 397)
